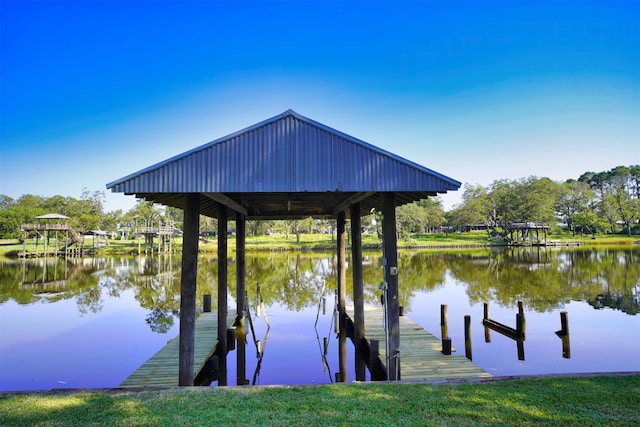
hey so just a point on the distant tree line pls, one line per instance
(605, 202)
(85, 214)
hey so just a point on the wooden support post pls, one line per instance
(467, 337)
(444, 321)
(241, 354)
(222, 294)
(391, 277)
(206, 303)
(342, 268)
(358, 291)
(188, 289)
(486, 311)
(342, 293)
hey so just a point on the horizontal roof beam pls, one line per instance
(227, 201)
(345, 204)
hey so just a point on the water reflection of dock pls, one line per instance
(161, 370)
(421, 357)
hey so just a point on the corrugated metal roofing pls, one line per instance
(283, 161)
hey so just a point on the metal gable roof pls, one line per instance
(289, 155)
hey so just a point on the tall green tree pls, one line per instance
(474, 209)
(574, 197)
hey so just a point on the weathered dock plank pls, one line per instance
(420, 352)
(161, 370)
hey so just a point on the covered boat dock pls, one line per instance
(286, 167)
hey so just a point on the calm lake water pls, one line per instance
(91, 322)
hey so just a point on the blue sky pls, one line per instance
(92, 91)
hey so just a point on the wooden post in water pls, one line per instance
(520, 345)
(521, 326)
(358, 290)
(188, 289)
(241, 357)
(486, 316)
(563, 333)
(391, 276)
(446, 346)
(444, 321)
(564, 323)
(206, 303)
(222, 294)
(467, 337)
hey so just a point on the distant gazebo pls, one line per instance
(286, 167)
(48, 223)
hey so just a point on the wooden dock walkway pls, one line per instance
(420, 352)
(161, 370)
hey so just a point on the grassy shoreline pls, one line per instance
(326, 242)
(562, 400)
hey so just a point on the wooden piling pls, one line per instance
(358, 290)
(446, 346)
(222, 292)
(563, 333)
(390, 244)
(341, 267)
(520, 345)
(241, 300)
(485, 317)
(206, 303)
(467, 327)
(523, 321)
(444, 321)
(467, 337)
(519, 326)
(564, 323)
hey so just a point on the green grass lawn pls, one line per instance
(567, 401)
